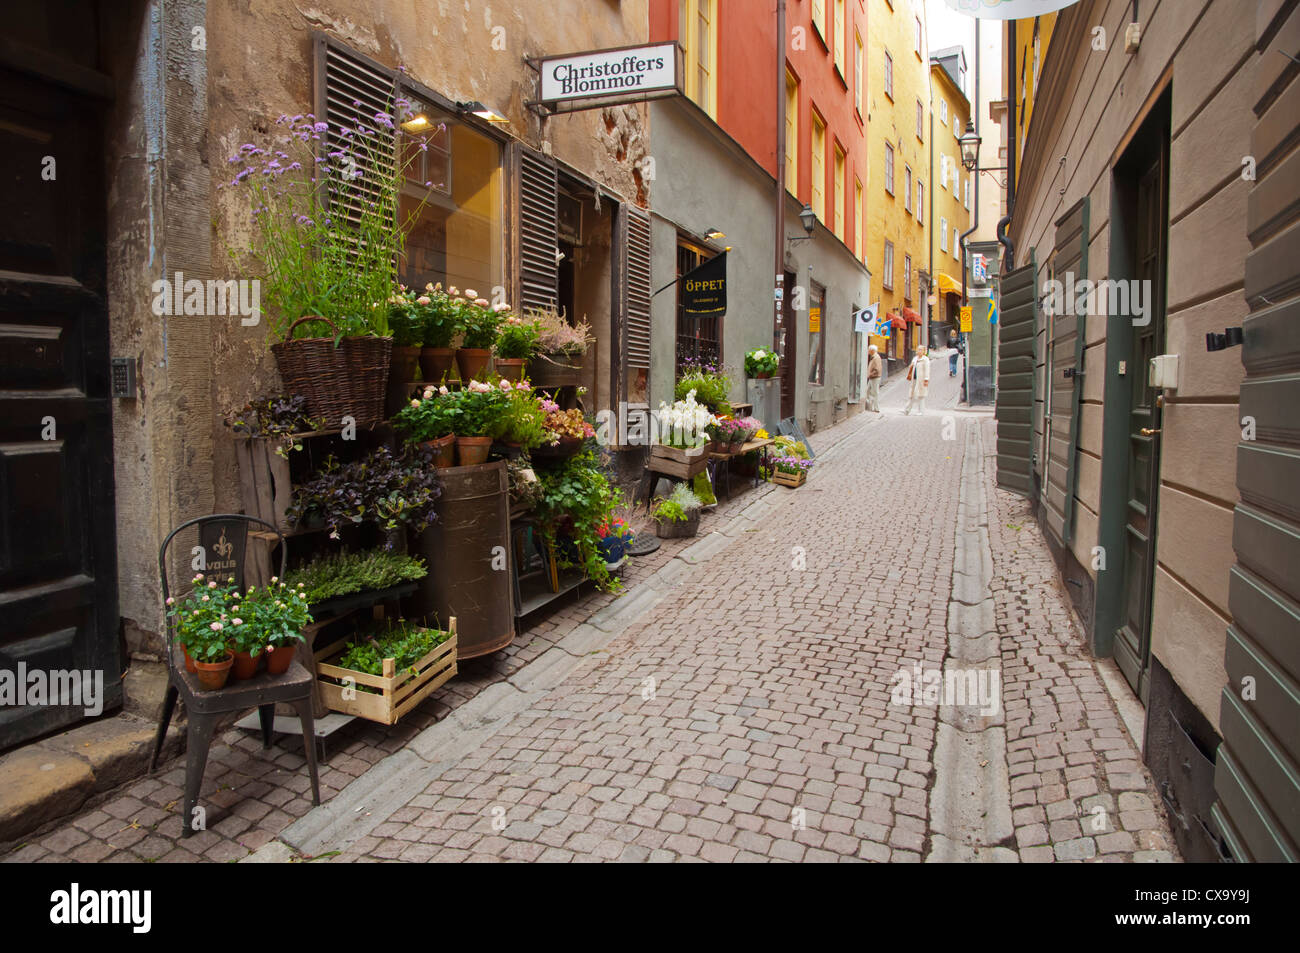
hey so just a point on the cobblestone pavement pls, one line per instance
(251, 796)
(748, 716)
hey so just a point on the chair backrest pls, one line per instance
(221, 551)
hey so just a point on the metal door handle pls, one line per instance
(1147, 432)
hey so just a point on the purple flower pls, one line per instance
(321, 127)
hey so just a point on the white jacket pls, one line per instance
(920, 384)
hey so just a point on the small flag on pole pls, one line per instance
(993, 312)
(864, 321)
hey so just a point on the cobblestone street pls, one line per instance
(721, 728)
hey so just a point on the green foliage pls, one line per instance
(760, 360)
(404, 320)
(789, 447)
(282, 417)
(523, 420)
(518, 339)
(681, 505)
(202, 617)
(576, 495)
(404, 642)
(343, 573)
(273, 615)
(712, 387)
(427, 418)
(479, 323)
(704, 490)
(384, 488)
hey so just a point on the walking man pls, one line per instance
(918, 375)
(873, 379)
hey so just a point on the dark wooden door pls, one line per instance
(789, 347)
(58, 588)
(1133, 640)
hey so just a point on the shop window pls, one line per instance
(699, 337)
(817, 336)
(453, 195)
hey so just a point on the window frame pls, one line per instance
(859, 71)
(920, 121)
(840, 37)
(907, 188)
(907, 277)
(817, 354)
(792, 142)
(887, 266)
(889, 76)
(889, 168)
(920, 200)
(817, 161)
(943, 234)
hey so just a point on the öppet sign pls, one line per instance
(630, 72)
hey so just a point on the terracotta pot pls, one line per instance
(279, 659)
(189, 662)
(245, 665)
(472, 450)
(405, 363)
(567, 447)
(444, 450)
(435, 363)
(212, 675)
(511, 368)
(471, 361)
(764, 375)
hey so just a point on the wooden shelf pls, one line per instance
(340, 605)
(535, 590)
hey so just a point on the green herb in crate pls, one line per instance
(404, 642)
(344, 573)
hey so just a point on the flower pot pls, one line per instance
(212, 675)
(567, 447)
(611, 548)
(764, 375)
(245, 665)
(189, 662)
(405, 364)
(444, 450)
(511, 368)
(279, 658)
(435, 363)
(472, 450)
(672, 529)
(471, 361)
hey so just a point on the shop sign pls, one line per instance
(704, 289)
(966, 319)
(814, 320)
(630, 72)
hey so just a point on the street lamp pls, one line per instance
(809, 219)
(970, 147)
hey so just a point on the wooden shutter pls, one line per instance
(1066, 382)
(353, 91)
(1017, 360)
(536, 238)
(636, 329)
(1257, 778)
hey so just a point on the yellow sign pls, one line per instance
(966, 319)
(814, 320)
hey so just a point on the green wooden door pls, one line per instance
(1014, 406)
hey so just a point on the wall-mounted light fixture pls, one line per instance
(483, 112)
(809, 219)
(1231, 337)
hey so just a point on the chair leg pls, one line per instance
(309, 744)
(199, 738)
(266, 713)
(164, 719)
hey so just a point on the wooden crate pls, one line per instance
(398, 692)
(675, 462)
(789, 479)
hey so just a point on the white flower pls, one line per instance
(471, 293)
(216, 627)
(236, 621)
(275, 578)
(205, 599)
(212, 585)
(760, 354)
(415, 403)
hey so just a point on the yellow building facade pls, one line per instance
(898, 191)
(951, 209)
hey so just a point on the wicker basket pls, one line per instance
(347, 380)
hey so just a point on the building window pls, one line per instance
(859, 75)
(859, 247)
(889, 75)
(943, 171)
(791, 134)
(457, 233)
(907, 187)
(841, 36)
(889, 168)
(919, 38)
(840, 193)
(817, 336)
(943, 234)
(920, 121)
(965, 192)
(819, 18)
(699, 338)
(907, 277)
(956, 244)
(697, 33)
(887, 271)
(943, 111)
(920, 201)
(818, 166)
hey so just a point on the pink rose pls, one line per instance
(423, 299)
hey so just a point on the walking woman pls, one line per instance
(873, 379)
(918, 375)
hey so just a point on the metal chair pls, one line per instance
(224, 539)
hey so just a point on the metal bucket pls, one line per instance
(468, 551)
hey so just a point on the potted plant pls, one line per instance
(438, 312)
(430, 420)
(479, 322)
(201, 619)
(790, 471)
(407, 326)
(678, 515)
(386, 489)
(325, 282)
(276, 614)
(479, 411)
(569, 430)
(615, 536)
(761, 363)
(523, 419)
(710, 383)
(517, 343)
(561, 349)
(572, 500)
(333, 575)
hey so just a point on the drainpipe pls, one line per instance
(1008, 247)
(975, 222)
(779, 271)
(925, 302)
